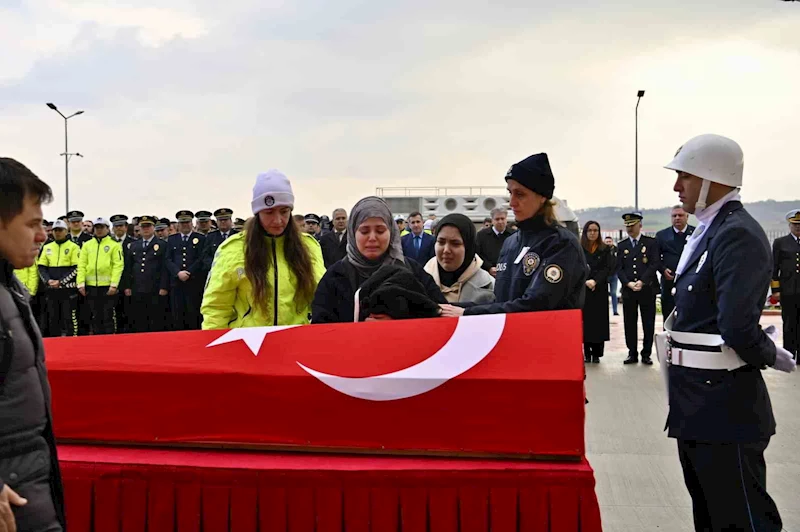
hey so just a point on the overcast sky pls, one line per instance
(187, 100)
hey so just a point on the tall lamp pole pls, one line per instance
(66, 154)
(636, 170)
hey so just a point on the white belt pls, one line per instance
(726, 359)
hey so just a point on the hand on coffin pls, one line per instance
(163, 292)
(7, 498)
(450, 311)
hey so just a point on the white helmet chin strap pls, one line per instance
(701, 200)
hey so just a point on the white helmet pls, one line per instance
(713, 158)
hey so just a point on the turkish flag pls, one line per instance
(483, 385)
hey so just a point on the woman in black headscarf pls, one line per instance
(373, 241)
(455, 267)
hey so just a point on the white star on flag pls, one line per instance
(252, 336)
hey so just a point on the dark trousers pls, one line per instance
(101, 306)
(122, 310)
(29, 475)
(185, 301)
(728, 485)
(667, 299)
(593, 350)
(62, 312)
(166, 313)
(632, 302)
(146, 313)
(84, 313)
(613, 286)
(790, 312)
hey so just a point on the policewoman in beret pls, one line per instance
(541, 266)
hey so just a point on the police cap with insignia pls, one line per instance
(75, 216)
(203, 216)
(534, 173)
(793, 217)
(184, 216)
(62, 218)
(47, 224)
(162, 224)
(150, 220)
(119, 219)
(101, 221)
(223, 214)
(312, 218)
(632, 218)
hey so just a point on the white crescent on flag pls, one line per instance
(473, 339)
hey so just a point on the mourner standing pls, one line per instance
(786, 281)
(217, 237)
(185, 266)
(119, 223)
(595, 307)
(541, 266)
(613, 280)
(146, 278)
(31, 495)
(58, 268)
(670, 243)
(334, 243)
(719, 407)
(490, 240)
(637, 264)
(312, 226)
(203, 222)
(99, 273)
(76, 234)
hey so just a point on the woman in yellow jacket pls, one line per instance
(268, 273)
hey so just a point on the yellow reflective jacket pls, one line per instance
(101, 263)
(228, 297)
(29, 277)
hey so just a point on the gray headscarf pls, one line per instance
(372, 207)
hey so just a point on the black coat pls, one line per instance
(595, 305)
(722, 291)
(334, 299)
(332, 250)
(541, 267)
(488, 246)
(786, 266)
(146, 270)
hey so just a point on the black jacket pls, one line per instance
(722, 291)
(595, 307)
(80, 239)
(185, 256)
(670, 246)
(27, 443)
(541, 267)
(334, 300)
(488, 246)
(332, 250)
(639, 264)
(146, 270)
(786, 266)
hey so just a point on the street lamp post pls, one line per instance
(67, 155)
(636, 164)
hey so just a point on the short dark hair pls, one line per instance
(17, 183)
(415, 213)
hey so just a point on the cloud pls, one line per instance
(186, 101)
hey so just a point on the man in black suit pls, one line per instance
(670, 243)
(146, 279)
(418, 245)
(185, 266)
(637, 263)
(786, 281)
(334, 243)
(489, 240)
(719, 406)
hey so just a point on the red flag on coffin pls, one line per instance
(505, 385)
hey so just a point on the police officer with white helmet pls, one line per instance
(714, 349)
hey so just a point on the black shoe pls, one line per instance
(646, 360)
(596, 360)
(616, 314)
(631, 360)
(587, 358)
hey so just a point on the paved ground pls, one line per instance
(639, 480)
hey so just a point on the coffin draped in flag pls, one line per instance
(505, 385)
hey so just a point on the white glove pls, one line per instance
(772, 332)
(784, 360)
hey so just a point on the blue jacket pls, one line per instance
(426, 249)
(722, 291)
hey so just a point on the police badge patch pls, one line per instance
(554, 274)
(155, 248)
(195, 241)
(66, 251)
(529, 263)
(106, 248)
(269, 201)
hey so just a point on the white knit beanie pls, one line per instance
(272, 189)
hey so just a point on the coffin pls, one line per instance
(497, 385)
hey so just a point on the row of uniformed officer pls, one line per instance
(786, 281)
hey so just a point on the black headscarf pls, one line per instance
(467, 230)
